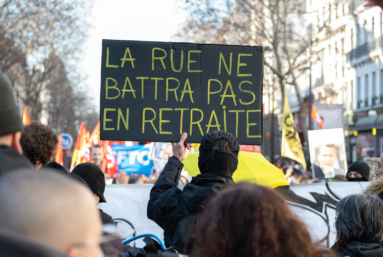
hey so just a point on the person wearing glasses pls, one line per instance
(46, 214)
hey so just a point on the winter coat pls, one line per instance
(358, 249)
(10, 160)
(168, 204)
(13, 245)
(106, 218)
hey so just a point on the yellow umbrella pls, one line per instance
(252, 167)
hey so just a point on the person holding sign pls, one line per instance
(176, 210)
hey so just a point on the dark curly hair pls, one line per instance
(252, 221)
(38, 142)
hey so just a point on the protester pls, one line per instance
(121, 178)
(94, 177)
(97, 155)
(54, 166)
(46, 214)
(379, 169)
(358, 171)
(10, 131)
(359, 226)
(39, 143)
(135, 179)
(375, 188)
(172, 208)
(250, 220)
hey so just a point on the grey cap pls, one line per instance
(10, 119)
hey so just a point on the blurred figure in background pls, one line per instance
(253, 221)
(135, 179)
(359, 226)
(95, 179)
(10, 131)
(39, 143)
(358, 171)
(97, 155)
(46, 214)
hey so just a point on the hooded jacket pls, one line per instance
(168, 204)
(357, 249)
(13, 245)
(11, 160)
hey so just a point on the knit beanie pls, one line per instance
(361, 167)
(10, 119)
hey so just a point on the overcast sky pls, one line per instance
(152, 20)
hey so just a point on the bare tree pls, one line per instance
(36, 27)
(279, 25)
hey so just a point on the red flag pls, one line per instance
(315, 116)
(26, 119)
(94, 138)
(59, 153)
(77, 148)
(109, 163)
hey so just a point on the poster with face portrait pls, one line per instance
(327, 152)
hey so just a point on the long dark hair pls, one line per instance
(359, 218)
(250, 221)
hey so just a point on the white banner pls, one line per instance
(314, 204)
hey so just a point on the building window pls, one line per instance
(381, 23)
(352, 95)
(337, 10)
(381, 87)
(352, 39)
(357, 34)
(343, 56)
(366, 85)
(359, 93)
(374, 89)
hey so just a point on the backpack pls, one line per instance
(182, 237)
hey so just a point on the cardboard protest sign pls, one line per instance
(328, 152)
(154, 91)
(133, 159)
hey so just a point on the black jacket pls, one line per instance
(13, 245)
(106, 218)
(168, 204)
(10, 160)
(357, 249)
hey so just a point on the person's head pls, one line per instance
(358, 218)
(39, 143)
(218, 154)
(250, 220)
(135, 179)
(97, 154)
(51, 209)
(327, 156)
(358, 171)
(375, 188)
(94, 177)
(379, 168)
(10, 120)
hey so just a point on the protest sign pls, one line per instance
(327, 150)
(154, 91)
(314, 204)
(133, 159)
(163, 151)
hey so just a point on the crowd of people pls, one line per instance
(47, 211)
